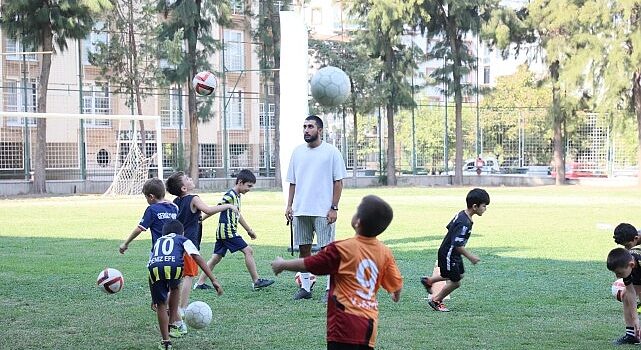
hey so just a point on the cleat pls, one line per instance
(302, 294)
(425, 281)
(203, 286)
(183, 328)
(262, 283)
(438, 306)
(174, 331)
(165, 345)
(626, 339)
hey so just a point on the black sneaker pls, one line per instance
(626, 339)
(426, 283)
(165, 345)
(438, 306)
(262, 283)
(203, 286)
(302, 294)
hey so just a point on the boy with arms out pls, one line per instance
(190, 206)
(227, 237)
(358, 267)
(625, 265)
(165, 274)
(453, 247)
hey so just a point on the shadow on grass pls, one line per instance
(51, 301)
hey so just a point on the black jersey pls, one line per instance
(458, 232)
(636, 271)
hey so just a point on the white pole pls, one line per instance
(159, 150)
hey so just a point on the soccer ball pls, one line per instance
(330, 86)
(204, 83)
(110, 281)
(198, 315)
(312, 279)
(618, 289)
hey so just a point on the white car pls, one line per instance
(491, 166)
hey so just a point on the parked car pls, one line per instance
(575, 170)
(490, 166)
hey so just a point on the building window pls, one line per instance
(270, 89)
(210, 156)
(237, 7)
(91, 44)
(14, 100)
(486, 75)
(234, 53)
(238, 156)
(170, 109)
(96, 100)
(235, 110)
(14, 48)
(267, 115)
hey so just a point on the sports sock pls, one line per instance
(305, 283)
(630, 331)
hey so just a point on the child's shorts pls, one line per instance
(451, 268)
(191, 268)
(232, 244)
(160, 290)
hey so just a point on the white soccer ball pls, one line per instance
(330, 86)
(618, 289)
(312, 279)
(204, 83)
(110, 281)
(198, 315)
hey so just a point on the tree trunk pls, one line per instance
(391, 155)
(557, 117)
(135, 84)
(355, 131)
(455, 46)
(194, 146)
(40, 151)
(636, 96)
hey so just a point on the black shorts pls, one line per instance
(332, 345)
(451, 268)
(160, 289)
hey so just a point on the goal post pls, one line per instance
(90, 147)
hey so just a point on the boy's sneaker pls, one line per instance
(262, 283)
(183, 328)
(165, 345)
(438, 306)
(302, 294)
(203, 286)
(626, 339)
(425, 281)
(174, 331)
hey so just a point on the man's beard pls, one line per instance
(310, 138)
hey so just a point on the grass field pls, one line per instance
(541, 283)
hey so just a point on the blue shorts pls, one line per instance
(232, 244)
(160, 289)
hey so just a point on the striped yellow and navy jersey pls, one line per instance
(166, 257)
(228, 219)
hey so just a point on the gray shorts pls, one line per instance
(306, 226)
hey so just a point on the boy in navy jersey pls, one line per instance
(165, 274)
(626, 265)
(227, 237)
(453, 247)
(190, 207)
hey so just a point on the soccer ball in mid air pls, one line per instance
(312, 279)
(204, 83)
(110, 281)
(618, 289)
(330, 86)
(198, 315)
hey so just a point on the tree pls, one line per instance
(193, 20)
(47, 25)
(454, 21)
(384, 23)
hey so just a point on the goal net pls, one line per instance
(116, 151)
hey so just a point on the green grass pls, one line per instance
(541, 283)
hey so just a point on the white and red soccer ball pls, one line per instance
(618, 289)
(204, 83)
(312, 279)
(110, 281)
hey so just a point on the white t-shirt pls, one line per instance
(313, 171)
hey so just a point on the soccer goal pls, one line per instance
(120, 150)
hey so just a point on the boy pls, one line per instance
(227, 237)
(626, 235)
(165, 274)
(625, 265)
(453, 246)
(190, 207)
(357, 267)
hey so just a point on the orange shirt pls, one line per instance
(358, 266)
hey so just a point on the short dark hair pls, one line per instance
(245, 175)
(173, 226)
(316, 119)
(174, 183)
(618, 258)
(154, 186)
(374, 214)
(477, 196)
(624, 233)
